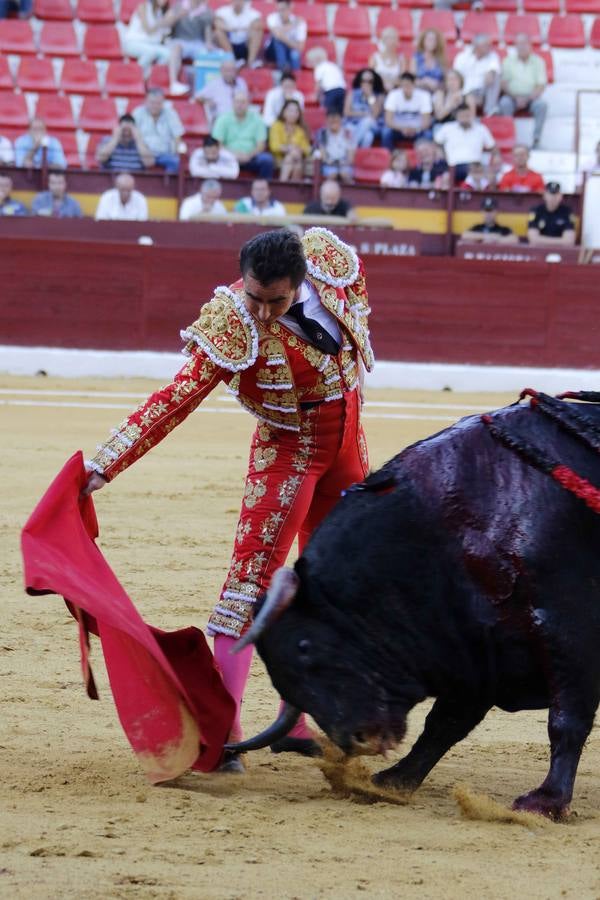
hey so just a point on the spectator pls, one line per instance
(429, 171)
(55, 202)
(205, 202)
(191, 36)
(217, 94)
(213, 161)
(329, 80)
(551, 223)
(397, 174)
(407, 113)
(289, 142)
(8, 206)
(521, 179)
(244, 133)
(429, 64)
(479, 66)
(144, 37)
(489, 231)
(160, 129)
(523, 81)
(239, 30)
(28, 148)
(21, 7)
(448, 98)
(277, 96)
(125, 151)
(7, 154)
(335, 148)
(260, 202)
(476, 179)
(388, 61)
(496, 168)
(363, 107)
(288, 37)
(330, 202)
(123, 202)
(464, 141)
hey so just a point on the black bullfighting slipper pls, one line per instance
(303, 746)
(232, 764)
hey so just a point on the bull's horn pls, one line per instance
(282, 591)
(280, 727)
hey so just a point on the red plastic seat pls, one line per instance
(314, 16)
(547, 57)
(400, 19)
(159, 77)
(68, 140)
(79, 76)
(479, 23)
(314, 117)
(192, 118)
(588, 7)
(13, 111)
(125, 79)
(56, 10)
(95, 12)
(55, 110)
(98, 114)
(536, 6)
(357, 56)
(102, 42)
(128, 8)
(16, 36)
(259, 81)
(526, 24)
(6, 79)
(36, 74)
(416, 4)
(58, 39)
(305, 82)
(327, 45)
(442, 19)
(89, 158)
(507, 6)
(370, 163)
(351, 22)
(566, 31)
(503, 131)
(595, 34)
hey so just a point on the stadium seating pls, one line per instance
(56, 112)
(479, 23)
(259, 81)
(357, 55)
(400, 19)
(370, 163)
(125, 79)
(98, 114)
(59, 39)
(507, 6)
(536, 6)
(102, 42)
(589, 7)
(59, 10)
(595, 34)
(6, 79)
(503, 132)
(79, 76)
(192, 118)
(128, 7)
(16, 36)
(314, 116)
(351, 22)
(13, 111)
(36, 74)
(442, 19)
(315, 17)
(566, 31)
(522, 24)
(416, 4)
(68, 140)
(305, 83)
(96, 12)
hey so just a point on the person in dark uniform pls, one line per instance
(551, 222)
(489, 231)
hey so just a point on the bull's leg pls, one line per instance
(449, 721)
(568, 728)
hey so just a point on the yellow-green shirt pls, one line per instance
(524, 76)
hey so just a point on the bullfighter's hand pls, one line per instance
(94, 483)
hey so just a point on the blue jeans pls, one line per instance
(390, 137)
(167, 161)
(261, 165)
(333, 100)
(364, 130)
(283, 56)
(23, 7)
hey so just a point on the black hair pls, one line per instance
(408, 76)
(273, 255)
(210, 141)
(461, 107)
(127, 118)
(378, 87)
(287, 74)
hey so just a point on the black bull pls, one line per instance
(461, 571)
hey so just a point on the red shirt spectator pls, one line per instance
(521, 179)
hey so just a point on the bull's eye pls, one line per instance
(304, 647)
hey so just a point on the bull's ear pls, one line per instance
(378, 482)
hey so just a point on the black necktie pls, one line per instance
(313, 330)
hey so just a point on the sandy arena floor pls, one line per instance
(78, 820)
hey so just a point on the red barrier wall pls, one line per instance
(114, 296)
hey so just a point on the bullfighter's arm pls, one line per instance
(155, 418)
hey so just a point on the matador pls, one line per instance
(290, 340)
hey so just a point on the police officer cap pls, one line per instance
(553, 187)
(488, 204)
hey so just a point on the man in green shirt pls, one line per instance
(523, 81)
(243, 132)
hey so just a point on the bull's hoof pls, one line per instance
(398, 781)
(232, 764)
(303, 746)
(542, 803)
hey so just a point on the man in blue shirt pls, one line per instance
(28, 148)
(55, 202)
(125, 150)
(8, 206)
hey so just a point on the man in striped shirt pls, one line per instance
(125, 151)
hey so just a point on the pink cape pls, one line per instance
(169, 695)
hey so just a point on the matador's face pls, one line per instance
(268, 302)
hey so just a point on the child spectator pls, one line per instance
(448, 98)
(288, 36)
(123, 202)
(521, 179)
(260, 202)
(213, 161)
(239, 30)
(397, 174)
(289, 142)
(429, 64)
(28, 148)
(363, 107)
(336, 148)
(206, 201)
(476, 179)
(277, 96)
(148, 27)
(329, 79)
(407, 113)
(55, 202)
(8, 206)
(388, 61)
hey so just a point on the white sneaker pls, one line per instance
(177, 89)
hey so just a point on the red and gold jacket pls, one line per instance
(270, 369)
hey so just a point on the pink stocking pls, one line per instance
(234, 670)
(300, 729)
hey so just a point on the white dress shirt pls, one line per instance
(313, 309)
(110, 207)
